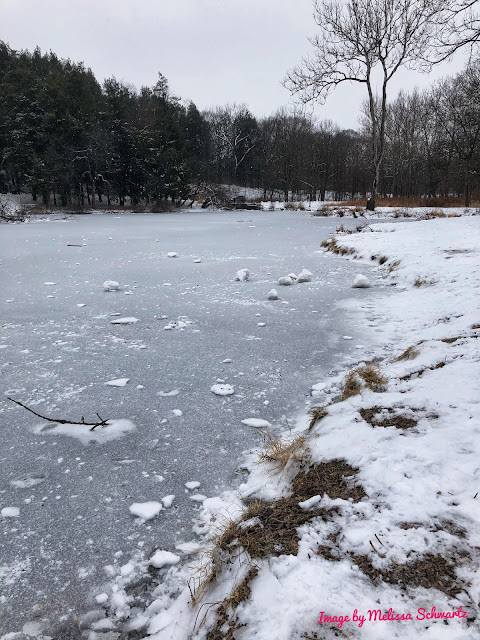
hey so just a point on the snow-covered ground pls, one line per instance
(86, 509)
(367, 524)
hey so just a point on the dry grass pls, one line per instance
(317, 414)
(382, 259)
(409, 354)
(334, 247)
(393, 266)
(386, 417)
(280, 451)
(411, 202)
(374, 380)
(351, 385)
(422, 282)
(430, 572)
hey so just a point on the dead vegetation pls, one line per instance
(409, 354)
(430, 572)
(386, 417)
(333, 246)
(279, 452)
(317, 413)
(423, 282)
(368, 376)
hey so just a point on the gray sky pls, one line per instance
(211, 51)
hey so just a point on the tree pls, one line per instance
(367, 41)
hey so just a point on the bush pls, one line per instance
(10, 211)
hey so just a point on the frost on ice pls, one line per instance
(111, 285)
(256, 422)
(242, 275)
(222, 389)
(360, 282)
(146, 510)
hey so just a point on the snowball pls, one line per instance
(242, 275)
(261, 324)
(120, 382)
(168, 501)
(304, 276)
(222, 389)
(177, 412)
(10, 512)
(198, 497)
(111, 285)
(197, 260)
(129, 320)
(256, 422)
(145, 510)
(272, 295)
(163, 558)
(286, 281)
(360, 282)
(193, 484)
(101, 598)
(172, 254)
(311, 502)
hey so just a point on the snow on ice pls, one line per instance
(304, 276)
(111, 285)
(272, 295)
(113, 430)
(256, 422)
(163, 559)
(128, 320)
(285, 281)
(146, 510)
(119, 382)
(361, 282)
(222, 389)
(242, 275)
(192, 484)
(10, 512)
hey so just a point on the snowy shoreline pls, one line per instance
(403, 533)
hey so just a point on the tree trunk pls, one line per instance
(467, 186)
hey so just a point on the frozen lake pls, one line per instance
(57, 356)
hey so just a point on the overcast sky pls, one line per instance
(211, 51)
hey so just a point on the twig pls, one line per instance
(93, 425)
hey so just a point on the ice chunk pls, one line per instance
(163, 559)
(111, 285)
(261, 324)
(304, 276)
(197, 260)
(242, 275)
(292, 276)
(49, 284)
(285, 281)
(119, 382)
(177, 412)
(146, 510)
(193, 484)
(360, 282)
(10, 512)
(256, 422)
(222, 389)
(272, 295)
(198, 497)
(172, 254)
(129, 320)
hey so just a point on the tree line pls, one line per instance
(68, 140)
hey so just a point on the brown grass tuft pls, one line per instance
(317, 414)
(375, 381)
(382, 259)
(351, 385)
(386, 417)
(280, 451)
(409, 354)
(422, 282)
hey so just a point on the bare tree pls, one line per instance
(367, 41)
(461, 29)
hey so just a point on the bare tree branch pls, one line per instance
(92, 425)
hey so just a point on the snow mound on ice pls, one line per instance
(146, 510)
(111, 285)
(163, 558)
(242, 275)
(360, 282)
(168, 501)
(222, 389)
(197, 260)
(272, 295)
(129, 320)
(172, 254)
(304, 276)
(193, 484)
(182, 323)
(113, 430)
(119, 382)
(285, 281)
(10, 512)
(256, 422)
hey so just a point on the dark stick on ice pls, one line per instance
(92, 425)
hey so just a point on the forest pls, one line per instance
(71, 141)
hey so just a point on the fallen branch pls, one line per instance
(92, 425)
